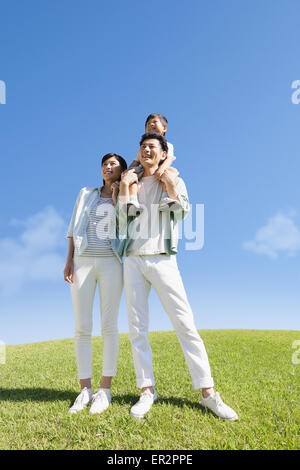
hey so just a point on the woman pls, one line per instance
(93, 259)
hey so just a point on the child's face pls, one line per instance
(155, 125)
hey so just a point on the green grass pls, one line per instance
(252, 369)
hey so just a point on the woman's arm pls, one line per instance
(69, 268)
(115, 191)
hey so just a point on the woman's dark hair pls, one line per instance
(120, 159)
(159, 137)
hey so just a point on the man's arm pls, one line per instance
(169, 179)
(165, 164)
(127, 179)
(177, 196)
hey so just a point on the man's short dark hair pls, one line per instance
(120, 159)
(161, 117)
(159, 137)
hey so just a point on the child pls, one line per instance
(154, 123)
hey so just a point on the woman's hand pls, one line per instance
(115, 186)
(115, 189)
(69, 272)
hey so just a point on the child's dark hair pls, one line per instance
(162, 119)
(154, 135)
(120, 159)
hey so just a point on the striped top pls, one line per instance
(98, 229)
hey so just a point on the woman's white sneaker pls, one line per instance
(83, 399)
(218, 407)
(144, 404)
(101, 401)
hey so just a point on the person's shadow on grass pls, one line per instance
(52, 395)
(36, 394)
(130, 399)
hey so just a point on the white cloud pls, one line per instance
(279, 235)
(34, 255)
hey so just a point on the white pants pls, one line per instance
(108, 273)
(161, 271)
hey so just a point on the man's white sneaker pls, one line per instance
(83, 399)
(101, 401)
(144, 404)
(218, 407)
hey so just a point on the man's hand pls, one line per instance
(129, 177)
(169, 180)
(159, 172)
(169, 176)
(69, 272)
(165, 164)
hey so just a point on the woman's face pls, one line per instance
(111, 169)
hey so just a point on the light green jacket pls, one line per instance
(178, 211)
(79, 221)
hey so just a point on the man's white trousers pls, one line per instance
(161, 271)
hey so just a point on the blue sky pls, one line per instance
(80, 80)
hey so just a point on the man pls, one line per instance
(149, 245)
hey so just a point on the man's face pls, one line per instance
(155, 125)
(151, 153)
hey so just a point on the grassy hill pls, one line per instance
(253, 370)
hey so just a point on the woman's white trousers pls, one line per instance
(108, 274)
